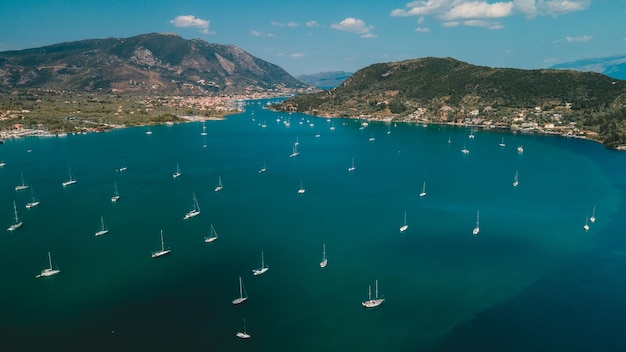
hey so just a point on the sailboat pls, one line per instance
(177, 173)
(317, 135)
(148, 131)
(371, 139)
(33, 200)
(471, 135)
(196, 209)
(203, 129)
(332, 126)
(103, 230)
(515, 179)
(352, 168)
(405, 226)
(423, 194)
(71, 179)
(476, 229)
(116, 194)
(243, 296)
(301, 190)
(294, 152)
(593, 215)
(243, 334)
(449, 140)
(22, 186)
(263, 169)
(262, 269)
(212, 236)
(502, 143)
(123, 168)
(220, 186)
(586, 226)
(3, 164)
(371, 303)
(48, 271)
(324, 261)
(17, 224)
(520, 149)
(163, 251)
(465, 150)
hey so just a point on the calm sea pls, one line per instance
(532, 279)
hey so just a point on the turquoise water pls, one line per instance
(444, 288)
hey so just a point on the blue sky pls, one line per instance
(306, 37)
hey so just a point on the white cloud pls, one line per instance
(469, 11)
(280, 24)
(422, 29)
(584, 38)
(256, 33)
(188, 21)
(312, 24)
(483, 23)
(296, 55)
(354, 25)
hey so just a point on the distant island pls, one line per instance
(448, 91)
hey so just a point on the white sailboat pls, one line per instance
(520, 149)
(23, 185)
(48, 271)
(262, 269)
(3, 164)
(123, 168)
(449, 140)
(423, 194)
(34, 201)
(220, 186)
(372, 138)
(243, 334)
(404, 227)
(177, 173)
(116, 194)
(586, 226)
(471, 135)
(17, 224)
(476, 229)
(71, 179)
(103, 230)
(332, 126)
(502, 143)
(148, 131)
(317, 135)
(324, 261)
(196, 209)
(515, 179)
(212, 236)
(352, 168)
(371, 303)
(243, 296)
(162, 251)
(301, 190)
(263, 169)
(203, 129)
(465, 150)
(294, 152)
(593, 215)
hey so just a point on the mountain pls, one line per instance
(148, 63)
(614, 66)
(325, 80)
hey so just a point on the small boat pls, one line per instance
(476, 229)
(71, 179)
(593, 215)
(148, 131)
(22, 186)
(371, 139)
(389, 130)
(243, 334)
(263, 169)
(116, 194)
(243, 296)
(515, 179)
(404, 227)
(220, 186)
(294, 152)
(203, 129)
(371, 303)
(352, 168)
(33, 200)
(212, 236)
(48, 271)
(162, 251)
(195, 211)
(177, 173)
(103, 230)
(520, 149)
(317, 135)
(3, 164)
(332, 126)
(465, 150)
(586, 226)
(324, 261)
(502, 143)
(471, 135)
(301, 190)
(17, 224)
(262, 269)
(123, 168)
(423, 194)
(449, 140)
